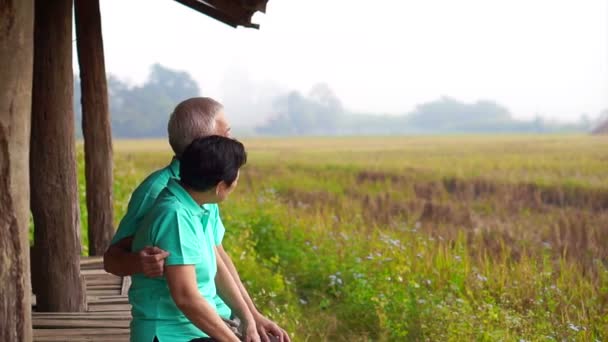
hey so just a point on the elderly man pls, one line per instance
(191, 119)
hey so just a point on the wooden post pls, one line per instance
(16, 54)
(95, 125)
(54, 188)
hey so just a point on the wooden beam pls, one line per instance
(54, 189)
(256, 5)
(95, 125)
(16, 58)
(241, 16)
(208, 10)
(222, 13)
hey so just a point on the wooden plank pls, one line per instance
(115, 315)
(108, 300)
(104, 282)
(94, 270)
(97, 274)
(126, 284)
(80, 314)
(80, 323)
(104, 292)
(109, 307)
(111, 288)
(94, 285)
(87, 260)
(81, 335)
(119, 313)
(108, 316)
(76, 332)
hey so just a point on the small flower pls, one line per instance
(481, 278)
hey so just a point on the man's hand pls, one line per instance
(251, 332)
(152, 261)
(267, 327)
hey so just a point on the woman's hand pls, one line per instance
(250, 331)
(267, 328)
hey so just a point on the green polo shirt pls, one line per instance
(177, 224)
(143, 199)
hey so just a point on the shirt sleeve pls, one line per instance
(218, 229)
(174, 232)
(140, 203)
(128, 224)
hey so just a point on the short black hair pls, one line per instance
(210, 160)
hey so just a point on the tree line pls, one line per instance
(143, 110)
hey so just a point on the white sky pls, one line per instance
(533, 56)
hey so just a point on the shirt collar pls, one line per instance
(174, 167)
(184, 197)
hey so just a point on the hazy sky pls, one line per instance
(534, 56)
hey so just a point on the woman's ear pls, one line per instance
(222, 190)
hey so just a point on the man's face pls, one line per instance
(222, 127)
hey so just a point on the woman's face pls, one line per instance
(223, 190)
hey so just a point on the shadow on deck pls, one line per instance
(108, 312)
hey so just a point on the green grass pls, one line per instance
(416, 238)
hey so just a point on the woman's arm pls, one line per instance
(182, 284)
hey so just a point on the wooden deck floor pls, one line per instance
(108, 315)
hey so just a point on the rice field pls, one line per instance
(452, 238)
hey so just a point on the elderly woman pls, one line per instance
(180, 306)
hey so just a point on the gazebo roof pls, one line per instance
(230, 12)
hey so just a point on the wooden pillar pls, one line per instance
(95, 125)
(16, 54)
(54, 195)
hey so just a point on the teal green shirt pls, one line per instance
(177, 224)
(143, 199)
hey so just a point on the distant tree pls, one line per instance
(319, 113)
(450, 115)
(329, 107)
(143, 111)
(585, 122)
(601, 125)
(538, 123)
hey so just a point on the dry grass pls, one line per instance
(431, 238)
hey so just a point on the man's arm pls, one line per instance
(184, 291)
(120, 261)
(264, 325)
(229, 291)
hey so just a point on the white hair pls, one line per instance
(192, 119)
